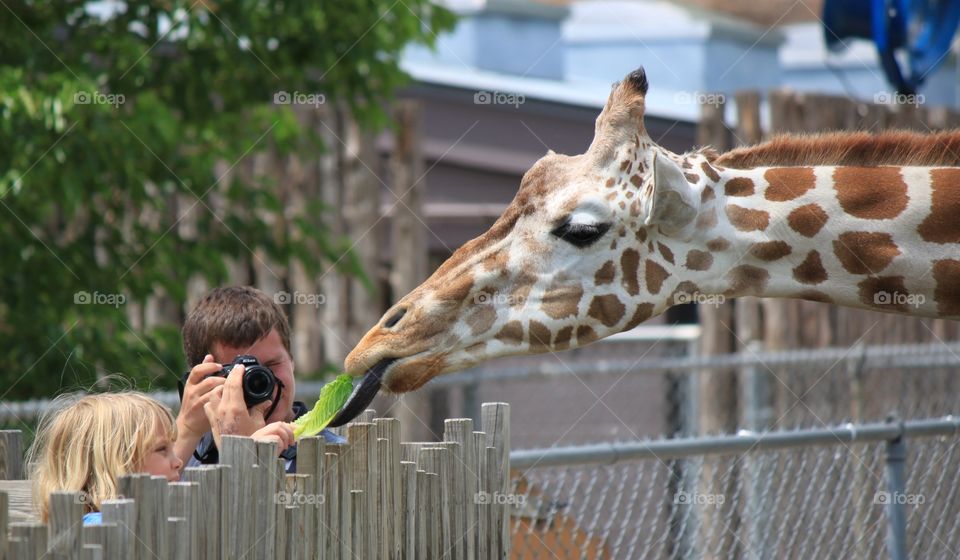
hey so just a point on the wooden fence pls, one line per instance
(374, 497)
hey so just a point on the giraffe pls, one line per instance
(597, 243)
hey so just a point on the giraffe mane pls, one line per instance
(895, 147)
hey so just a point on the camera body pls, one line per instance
(258, 381)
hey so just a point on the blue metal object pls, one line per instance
(921, 30)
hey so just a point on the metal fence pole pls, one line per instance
(896, 457)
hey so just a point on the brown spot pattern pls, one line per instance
(586, 335)
(642, 235)
(692, 177)
(511, 333)
(862, 252)
(811, 270)
(456, 289)
(610, 182)
(770, 250)
(496, 262)
(607, 309)
(718, 244)
(641, 314)
(699, 260)
(665, 252)
(481, 318)
(629, 265)
(707, 194)
(739, 186)
(562, 340)
(561, 301)
(605, 274)
(654, 274)
(636, 180)
(942, 225)
(946, 273)
(710, 172)
(807, 220)
(884, 292)
(746, 219)
(707, 219)
(539, 334)
(748, 280)
(787, 183)
(687, 289)
(522, 286)
(873, 193)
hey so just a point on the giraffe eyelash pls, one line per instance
(580, 235)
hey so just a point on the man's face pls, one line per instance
(270, 352)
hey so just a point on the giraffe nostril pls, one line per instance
(395, 318)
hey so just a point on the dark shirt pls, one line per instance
(207, 448)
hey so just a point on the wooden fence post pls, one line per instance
(66, 513)
(11, 455)
(496, 425)
(28, 540)
(460, 431)
(123, 514)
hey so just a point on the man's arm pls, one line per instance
(192, 421)
(227, 412)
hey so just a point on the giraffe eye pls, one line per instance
(580, 235)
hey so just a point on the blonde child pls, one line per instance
(87, 443)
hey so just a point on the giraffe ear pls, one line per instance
(672, 204)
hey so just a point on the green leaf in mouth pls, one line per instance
(332, 398)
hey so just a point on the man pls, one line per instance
(228, 322)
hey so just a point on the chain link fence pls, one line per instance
(797, 494)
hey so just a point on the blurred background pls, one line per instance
(334, 154)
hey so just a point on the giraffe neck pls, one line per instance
(869, 237)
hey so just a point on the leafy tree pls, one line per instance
(114, 117)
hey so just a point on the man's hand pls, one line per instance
(227, 412)
(192, 421)
(279, 432)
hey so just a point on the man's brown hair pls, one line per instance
(233, 316)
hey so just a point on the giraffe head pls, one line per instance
(562, 267)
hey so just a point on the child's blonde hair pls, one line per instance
(86, 443)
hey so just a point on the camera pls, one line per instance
(258, 381)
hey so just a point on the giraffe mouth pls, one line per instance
(363, 393)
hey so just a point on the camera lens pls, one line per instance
(258, 384)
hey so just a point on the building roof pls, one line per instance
(769, 13)
(581, 93)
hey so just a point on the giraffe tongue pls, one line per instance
(362, 394)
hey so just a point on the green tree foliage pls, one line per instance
(114, 117)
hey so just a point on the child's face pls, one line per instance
(161, 460)
(269, 351)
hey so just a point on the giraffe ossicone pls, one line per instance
(597, 243)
